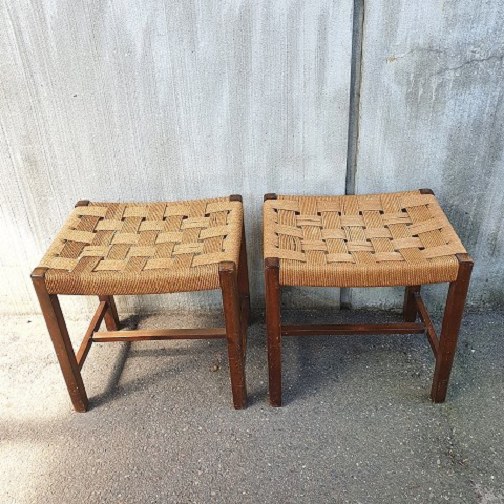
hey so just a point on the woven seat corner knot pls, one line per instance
(369, 240)
(144, 248)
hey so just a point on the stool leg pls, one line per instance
(56, 326)
(409, 306)
(273, 324)
(243, 279)
(230, 296)
(111, 316)
(452, 319)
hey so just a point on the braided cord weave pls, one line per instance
(116, 248)
(361, 241)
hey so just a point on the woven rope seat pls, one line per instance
(151, 248)
(104, 249)
(372, 240)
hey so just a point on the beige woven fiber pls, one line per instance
(371, 240)
(151, 248)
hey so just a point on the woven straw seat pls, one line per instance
(152, 248)
(370, 240)
(373, 240)
(105, 249)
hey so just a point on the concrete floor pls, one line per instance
(357, 426)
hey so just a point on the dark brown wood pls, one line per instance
(112, 322)
(409, 306)
(243, 283)
(236, 297)
(429, 326)
(228, 279)
(273, 326)
(426, 191)
(347, 329)
(243, 277)
(158, 334)
(452, 319)
(56, 327)
(270, 196)
(244, 290)
(94, 325)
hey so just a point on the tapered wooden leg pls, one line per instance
(273, 326)
(243, 280)
(409, 306)
(111, 316)
(56, 326)
(452, 319)
(230, 295)
(243, 289)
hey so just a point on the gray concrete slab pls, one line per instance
(357, 426)
(161, 100)
(431, 115)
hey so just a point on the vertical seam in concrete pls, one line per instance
(354, 114)
(355, 90)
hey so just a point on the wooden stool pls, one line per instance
(375, 240)
(105, 249)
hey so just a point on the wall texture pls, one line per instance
(161, 100)
(432, 115)
(156, 100)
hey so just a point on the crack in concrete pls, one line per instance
(354, 115)
(394, 57)
(496, 57)
(355, 91)
(430, 50)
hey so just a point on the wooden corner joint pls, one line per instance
(82, 203)
(236, 197)
(465, 259)
(272, 262)
(38, 273)
(227, 267)
(426, 191)
(270, 196)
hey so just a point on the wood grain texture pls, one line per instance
(158, 334)
(349, 329)
(153, 100)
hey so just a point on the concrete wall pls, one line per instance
(161, 100)
(432, 115)
(155, 100)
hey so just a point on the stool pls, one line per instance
(106, 249)
(375, 240)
